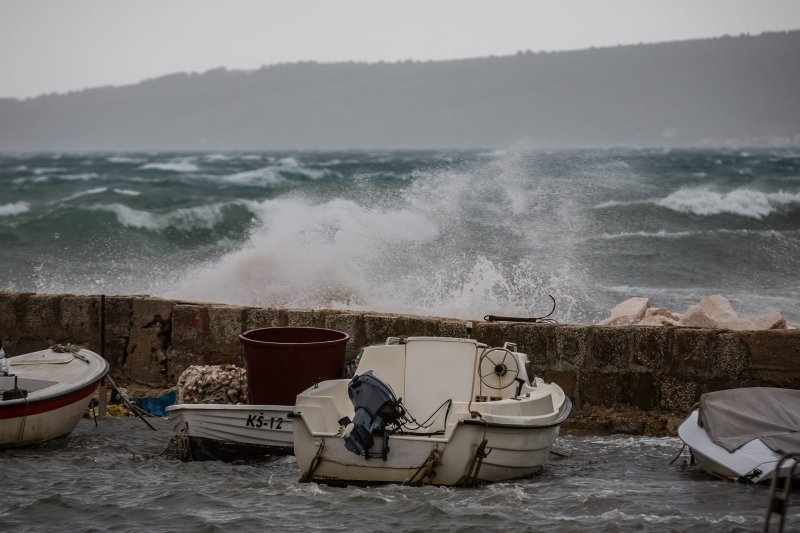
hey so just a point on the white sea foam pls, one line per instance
(182, 165)
(98, 190)
(312, 173)
(127, 192)
(218, 157)
(705, 201)
(619, 203)
(260, 176)
(202, 217)
(290, 165)
(124, 159)
(744, 202)
(132, 218)
(277, 173)
(17, 208)
(647, 234)
(83, 176)
(46, 177)
(47, 170)
(664, 234)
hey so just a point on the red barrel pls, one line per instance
(283, 362)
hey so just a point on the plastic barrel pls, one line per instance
(284, 361)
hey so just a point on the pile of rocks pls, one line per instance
(212, 384)
(712, 312)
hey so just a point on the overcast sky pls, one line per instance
(58, 45)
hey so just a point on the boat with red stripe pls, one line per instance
(43, 394)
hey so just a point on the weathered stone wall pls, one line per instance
(637, 379)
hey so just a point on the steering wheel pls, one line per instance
(498, 368)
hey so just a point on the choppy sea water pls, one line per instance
(114, 478)
(459, 234)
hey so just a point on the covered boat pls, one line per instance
(429, 410)
(741, 434)
(281, 362)
(45, 393)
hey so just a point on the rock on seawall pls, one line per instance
(715, 312)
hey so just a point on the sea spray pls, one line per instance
(455, 243)
(445, 233)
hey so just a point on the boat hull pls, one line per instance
(511, 453)
(52, 419)
(234, 432)
(60, 387)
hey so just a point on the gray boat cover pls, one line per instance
(734, 417)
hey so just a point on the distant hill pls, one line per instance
(742, 90)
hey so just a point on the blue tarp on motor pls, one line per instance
(156, 406)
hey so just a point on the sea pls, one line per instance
(457, 234)
(445, 233)
(113, 478)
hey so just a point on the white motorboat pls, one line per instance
(741, 434)
(429, 410)
(281, 361)
(45, 393)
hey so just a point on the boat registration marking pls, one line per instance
(260, 421)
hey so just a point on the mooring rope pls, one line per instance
(427, 469)
(70, 348)
(22, 423)
(178, 446)
(470, 477)
(315, 462)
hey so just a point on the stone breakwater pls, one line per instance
(628, 379)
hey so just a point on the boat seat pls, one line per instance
(388, 362)
(437, 370)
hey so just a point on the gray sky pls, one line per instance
(59, 45)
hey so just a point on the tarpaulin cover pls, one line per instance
(156, 406)
(734, 417)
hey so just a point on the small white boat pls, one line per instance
(741, 434)
(45, 393)
(463, 414)
(234, 432)
(280, 361)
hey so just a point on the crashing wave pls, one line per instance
(17, 208)
(173, 166)
(744, 202)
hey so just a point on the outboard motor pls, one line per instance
(376, 407)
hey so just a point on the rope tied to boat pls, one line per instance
(70, 348)
(65, 348)
(178, 446)
(470, 477)
(308, 475)
(427, 470)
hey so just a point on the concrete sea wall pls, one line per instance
(634, 379)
